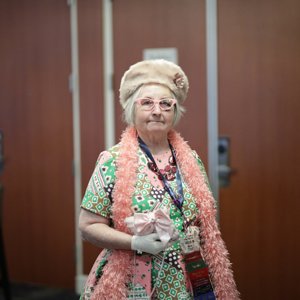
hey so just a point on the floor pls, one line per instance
(34, 292)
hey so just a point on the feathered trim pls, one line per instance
(118, 271)
(214, 250)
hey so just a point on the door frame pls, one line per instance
(212, 97)
(77, 173)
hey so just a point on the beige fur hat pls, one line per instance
(158, 71)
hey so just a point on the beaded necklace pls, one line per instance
(168, 171)
(177, 198)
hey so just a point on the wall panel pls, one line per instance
(36, 117)
(91, 97)
(259, 46)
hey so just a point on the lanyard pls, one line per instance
(177, 199)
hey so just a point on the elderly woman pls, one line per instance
(148, 203)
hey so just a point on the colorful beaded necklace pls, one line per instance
(177, 198)
(169, 170)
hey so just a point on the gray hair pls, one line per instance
(129, 109)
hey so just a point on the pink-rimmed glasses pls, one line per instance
(164, 104)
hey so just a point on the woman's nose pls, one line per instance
(156, 109)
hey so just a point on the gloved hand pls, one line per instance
(149, 243)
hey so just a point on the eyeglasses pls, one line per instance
(164, 104)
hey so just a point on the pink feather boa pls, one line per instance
(118, 271)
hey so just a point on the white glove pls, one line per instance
(148, 243)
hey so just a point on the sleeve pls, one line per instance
(98, 195)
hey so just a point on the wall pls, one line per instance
(36, 118)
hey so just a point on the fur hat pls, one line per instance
(157, 71)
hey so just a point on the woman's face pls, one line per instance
(155, 120)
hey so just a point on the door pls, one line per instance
(259, 110)
(36, 119)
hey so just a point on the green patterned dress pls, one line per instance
(167, 268)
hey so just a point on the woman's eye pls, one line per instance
(147, 102)
(165, 103)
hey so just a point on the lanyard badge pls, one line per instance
(196, 267)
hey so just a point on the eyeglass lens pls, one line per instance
(164, 104)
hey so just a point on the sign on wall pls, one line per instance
(170, 54)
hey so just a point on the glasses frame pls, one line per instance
(155, 102)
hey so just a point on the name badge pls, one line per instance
(196, 267)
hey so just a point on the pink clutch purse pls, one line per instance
(157, 221)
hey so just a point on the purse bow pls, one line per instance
(155, 221)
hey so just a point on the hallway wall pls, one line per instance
(36, 119)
